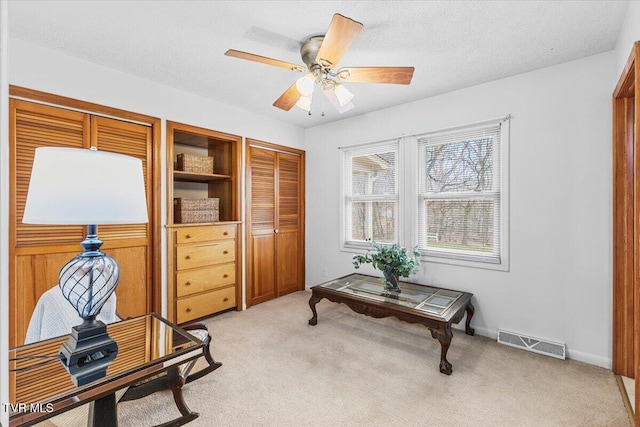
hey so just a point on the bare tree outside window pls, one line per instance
(374, 220)
(460, 224)
(459, 166)
(460, 194)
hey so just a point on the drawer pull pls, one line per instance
(188, 309)
(187, 257)
(225, 299)
(225, 252)
(187, 284)
(226, 233)
(225, 275)
(188, 236)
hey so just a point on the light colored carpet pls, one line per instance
(353, 370)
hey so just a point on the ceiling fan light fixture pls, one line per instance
(328, 90)
(306, 84)
(321, 53)
(304, 103)
(343, 94)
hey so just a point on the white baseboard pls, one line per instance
(581, 356)
(592, 359)
(479, 331)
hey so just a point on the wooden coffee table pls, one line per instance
(436, 308)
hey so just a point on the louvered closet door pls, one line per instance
(275, 222)
(288, 257)
(262, 224)
(37, 253)
(130, 244)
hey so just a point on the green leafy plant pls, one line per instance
(393, 260)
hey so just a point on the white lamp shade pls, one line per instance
(306, 84)
(343, 94)
(331, 96)
(82, 186)
(304, 103)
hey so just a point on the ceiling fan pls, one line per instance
(320, 54)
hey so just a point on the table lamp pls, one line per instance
(86, 187)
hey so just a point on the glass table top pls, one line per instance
(146, 344)
(418, 297)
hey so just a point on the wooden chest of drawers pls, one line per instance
(204, 273)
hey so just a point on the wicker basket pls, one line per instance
(196, 164)
(187, 211)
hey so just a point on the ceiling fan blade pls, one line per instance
(392, 75)
(288, 99)
(337, 40)
(264, 60)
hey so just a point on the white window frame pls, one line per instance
(409, 199)
(346, 199)
(501, 221)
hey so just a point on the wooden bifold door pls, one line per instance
(38, 252)
(275, 221)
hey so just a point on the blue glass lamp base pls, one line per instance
(88, 352)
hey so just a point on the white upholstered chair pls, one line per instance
(54, 316)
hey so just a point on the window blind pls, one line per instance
(459, 194)
(371, 193)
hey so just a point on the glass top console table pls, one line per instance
(41, 386)
(436, 308)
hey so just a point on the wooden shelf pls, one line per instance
(207, 255)
(197, 177)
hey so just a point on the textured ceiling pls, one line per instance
(451, 44)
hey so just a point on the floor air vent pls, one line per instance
(535, 345)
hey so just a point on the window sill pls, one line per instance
(502, 266)
(355, 248)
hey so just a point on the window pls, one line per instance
(370, 179)
(461, 208)
(445, 192)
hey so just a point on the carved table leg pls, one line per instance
(312, 303)
(178, 398)
(470, 310)
(444, 336)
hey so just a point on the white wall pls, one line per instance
(559, 283)
(47, 70)
(629, 33)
